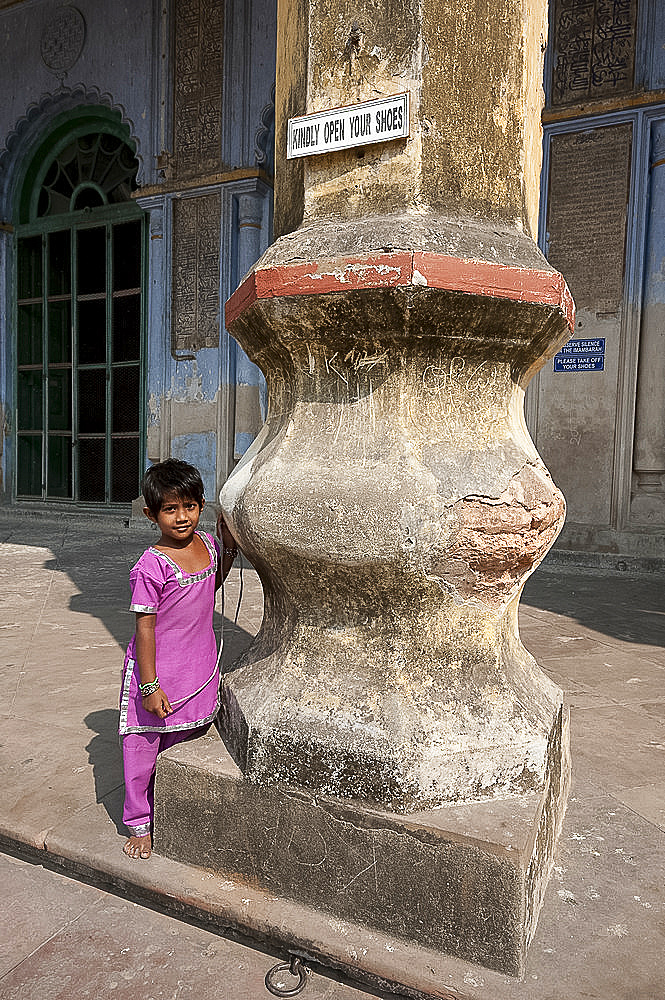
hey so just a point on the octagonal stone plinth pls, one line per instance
(465, 880)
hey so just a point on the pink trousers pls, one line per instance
(139, 755)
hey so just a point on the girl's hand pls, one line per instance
(229, 550)
(158, 704)
(228, 541)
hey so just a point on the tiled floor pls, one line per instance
(63, 938)
(63, 624)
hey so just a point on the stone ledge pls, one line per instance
(88, 847)
(401, 269)
(561, 560)
(480, 868)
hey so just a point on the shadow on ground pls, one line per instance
(104, 725)
(631, 609)
(97, 560)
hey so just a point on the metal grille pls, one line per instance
(79, 330)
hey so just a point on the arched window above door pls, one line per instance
(80, 270)
(95, 169)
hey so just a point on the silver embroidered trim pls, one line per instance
(143, 608)
(185, 579)
(172, 729)
(139, 831)
(124, 698)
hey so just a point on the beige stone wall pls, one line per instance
(576, 426)
(493, 106)
(290, 101)
(475, 122)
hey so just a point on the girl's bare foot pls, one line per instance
(138, 847)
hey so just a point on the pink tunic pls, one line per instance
(185, 644)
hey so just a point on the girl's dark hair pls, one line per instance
(171, 476)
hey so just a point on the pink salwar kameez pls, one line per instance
(186, 665)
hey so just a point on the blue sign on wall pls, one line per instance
(581, 356)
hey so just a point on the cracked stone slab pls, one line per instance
(466, 879)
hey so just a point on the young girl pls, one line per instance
(170, 688)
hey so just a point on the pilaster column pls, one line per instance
(158, 313)
(649, 445)
(250, 223)
(249, 383)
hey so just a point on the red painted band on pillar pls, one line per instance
(392, 270)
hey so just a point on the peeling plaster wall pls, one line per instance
(212, 390)
(211, 394)
(589, 181)
(114, 69)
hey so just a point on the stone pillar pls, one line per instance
(158, 340)
(394, 503)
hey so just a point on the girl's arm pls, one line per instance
(229, 551)
(157, 702)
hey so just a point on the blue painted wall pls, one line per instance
(125, 64)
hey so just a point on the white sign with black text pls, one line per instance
(343, 128)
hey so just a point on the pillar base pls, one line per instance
(465, 880)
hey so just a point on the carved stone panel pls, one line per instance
(586, 215)
(199, 36)
(62, 40)
(195, 300)
(594, 49)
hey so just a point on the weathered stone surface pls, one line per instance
(394, 503)
(393, 506)
(466, 880)
(474, 75)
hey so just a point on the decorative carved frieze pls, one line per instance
(195, 297)
(199, 28)
(594, 49)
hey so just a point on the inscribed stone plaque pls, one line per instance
(195, 308)
(587, 211)
(594, 49)
(199, 31)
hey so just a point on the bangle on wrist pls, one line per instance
(149, 688)
(231, 552)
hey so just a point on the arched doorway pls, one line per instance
(80, 279)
